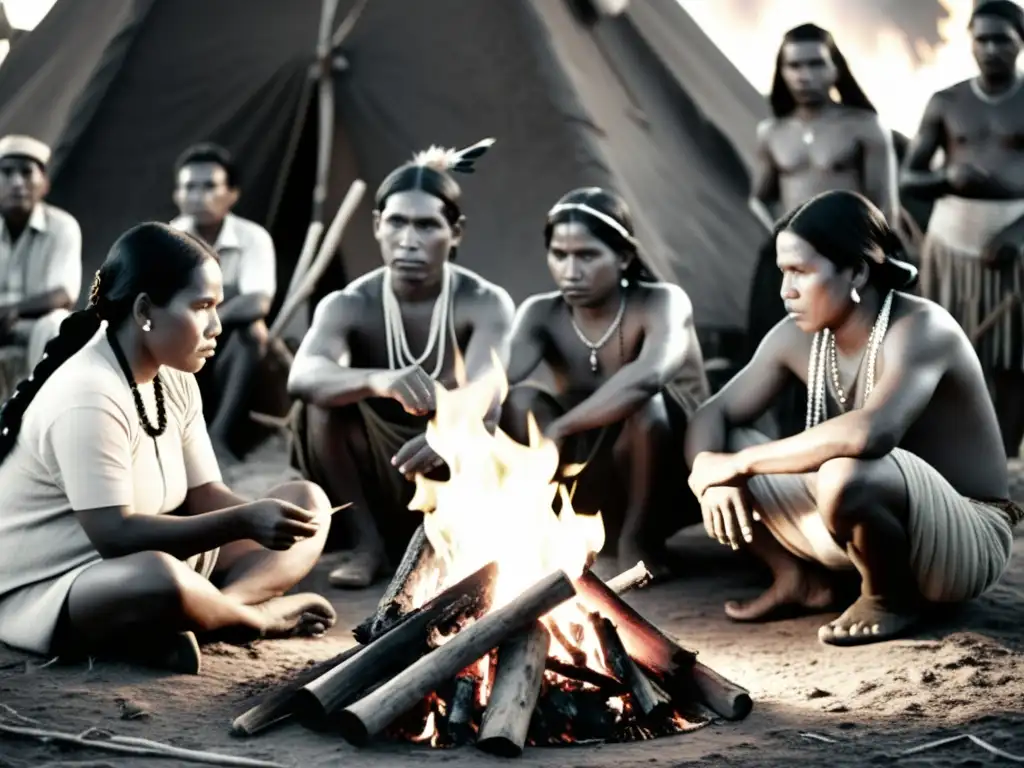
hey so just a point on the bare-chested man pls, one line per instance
(971, 260)
(899, 473)
(812, 144)
(628, 373)
(367, 366)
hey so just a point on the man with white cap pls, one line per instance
(40, 250)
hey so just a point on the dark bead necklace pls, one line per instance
(140, 408)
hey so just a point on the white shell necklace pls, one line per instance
(595, 346)
(824, 356)
(399, 354)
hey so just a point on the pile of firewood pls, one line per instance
(417, 666)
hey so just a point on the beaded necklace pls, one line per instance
(399, 353)
(824, 357)
(140, 407)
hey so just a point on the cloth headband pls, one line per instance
(602, 217)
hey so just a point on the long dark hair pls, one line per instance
(614, 207)
(430, 171)
(848, 229)
(850, 94)
(150, 258)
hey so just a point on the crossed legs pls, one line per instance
(148, 595)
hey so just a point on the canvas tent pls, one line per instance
(642, 102)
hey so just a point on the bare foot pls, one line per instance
(632, 549)
(797, 590)
(357, 571)
(868, 620)
(302, 615)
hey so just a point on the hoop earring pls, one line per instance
(147, 326)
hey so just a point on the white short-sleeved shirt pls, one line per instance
(81, 446)
(248, 260)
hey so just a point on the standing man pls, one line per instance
(813, 143)
(206, 190)
(40, 251)
(971, 261)
(367, 368)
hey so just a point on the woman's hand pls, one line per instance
(277, 524)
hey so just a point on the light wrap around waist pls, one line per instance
(968, 225)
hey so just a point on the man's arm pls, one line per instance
(669, 319)
(320, 373)
(765, 194)
(747, 395)
(917, 354)
(916, 176)
(62, 279)
(528, 334)
(257, 282)
(880, 182)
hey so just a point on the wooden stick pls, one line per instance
(391, 653)
(137, 747)
(724, 697)
(309, 247)
(608, 685)
(396, 601)
(361, 721)
(995, 316)
(516, 690)
(636, 577)
(328, 248)
(277, 706)
(579, 656)
(648, 697)
(644, 642)
(460, 721)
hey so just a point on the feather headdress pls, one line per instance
(446, 160)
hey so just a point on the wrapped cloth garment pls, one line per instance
(953, 275)
(959, 547)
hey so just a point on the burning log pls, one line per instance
(460, 722)
(648, 697)
(609, 686)
(361, 721)
(636, 577)
(579, 656)
(397, 599)
(278, 705)
(318, 699)
(515, 692)
(647, 644)
(664, 656)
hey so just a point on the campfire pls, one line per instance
(494, 630)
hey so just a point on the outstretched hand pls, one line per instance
(416, 457)
(711, 469)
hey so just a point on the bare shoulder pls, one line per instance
(482, 293)
(344, 306)
(928, 327)
(766, 128)
(868, 122)
(539, 308)
(665, 300)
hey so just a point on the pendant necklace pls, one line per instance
(595, 346)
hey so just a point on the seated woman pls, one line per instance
(116, 527)
(899, 476)
(628, 373)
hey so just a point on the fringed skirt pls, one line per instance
(953, 276)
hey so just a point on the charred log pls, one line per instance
(399, 647)
(648, 697)
(517, 684)
(361, 721)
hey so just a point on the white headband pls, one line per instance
(602, 217)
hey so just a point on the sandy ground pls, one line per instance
(963, 676)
